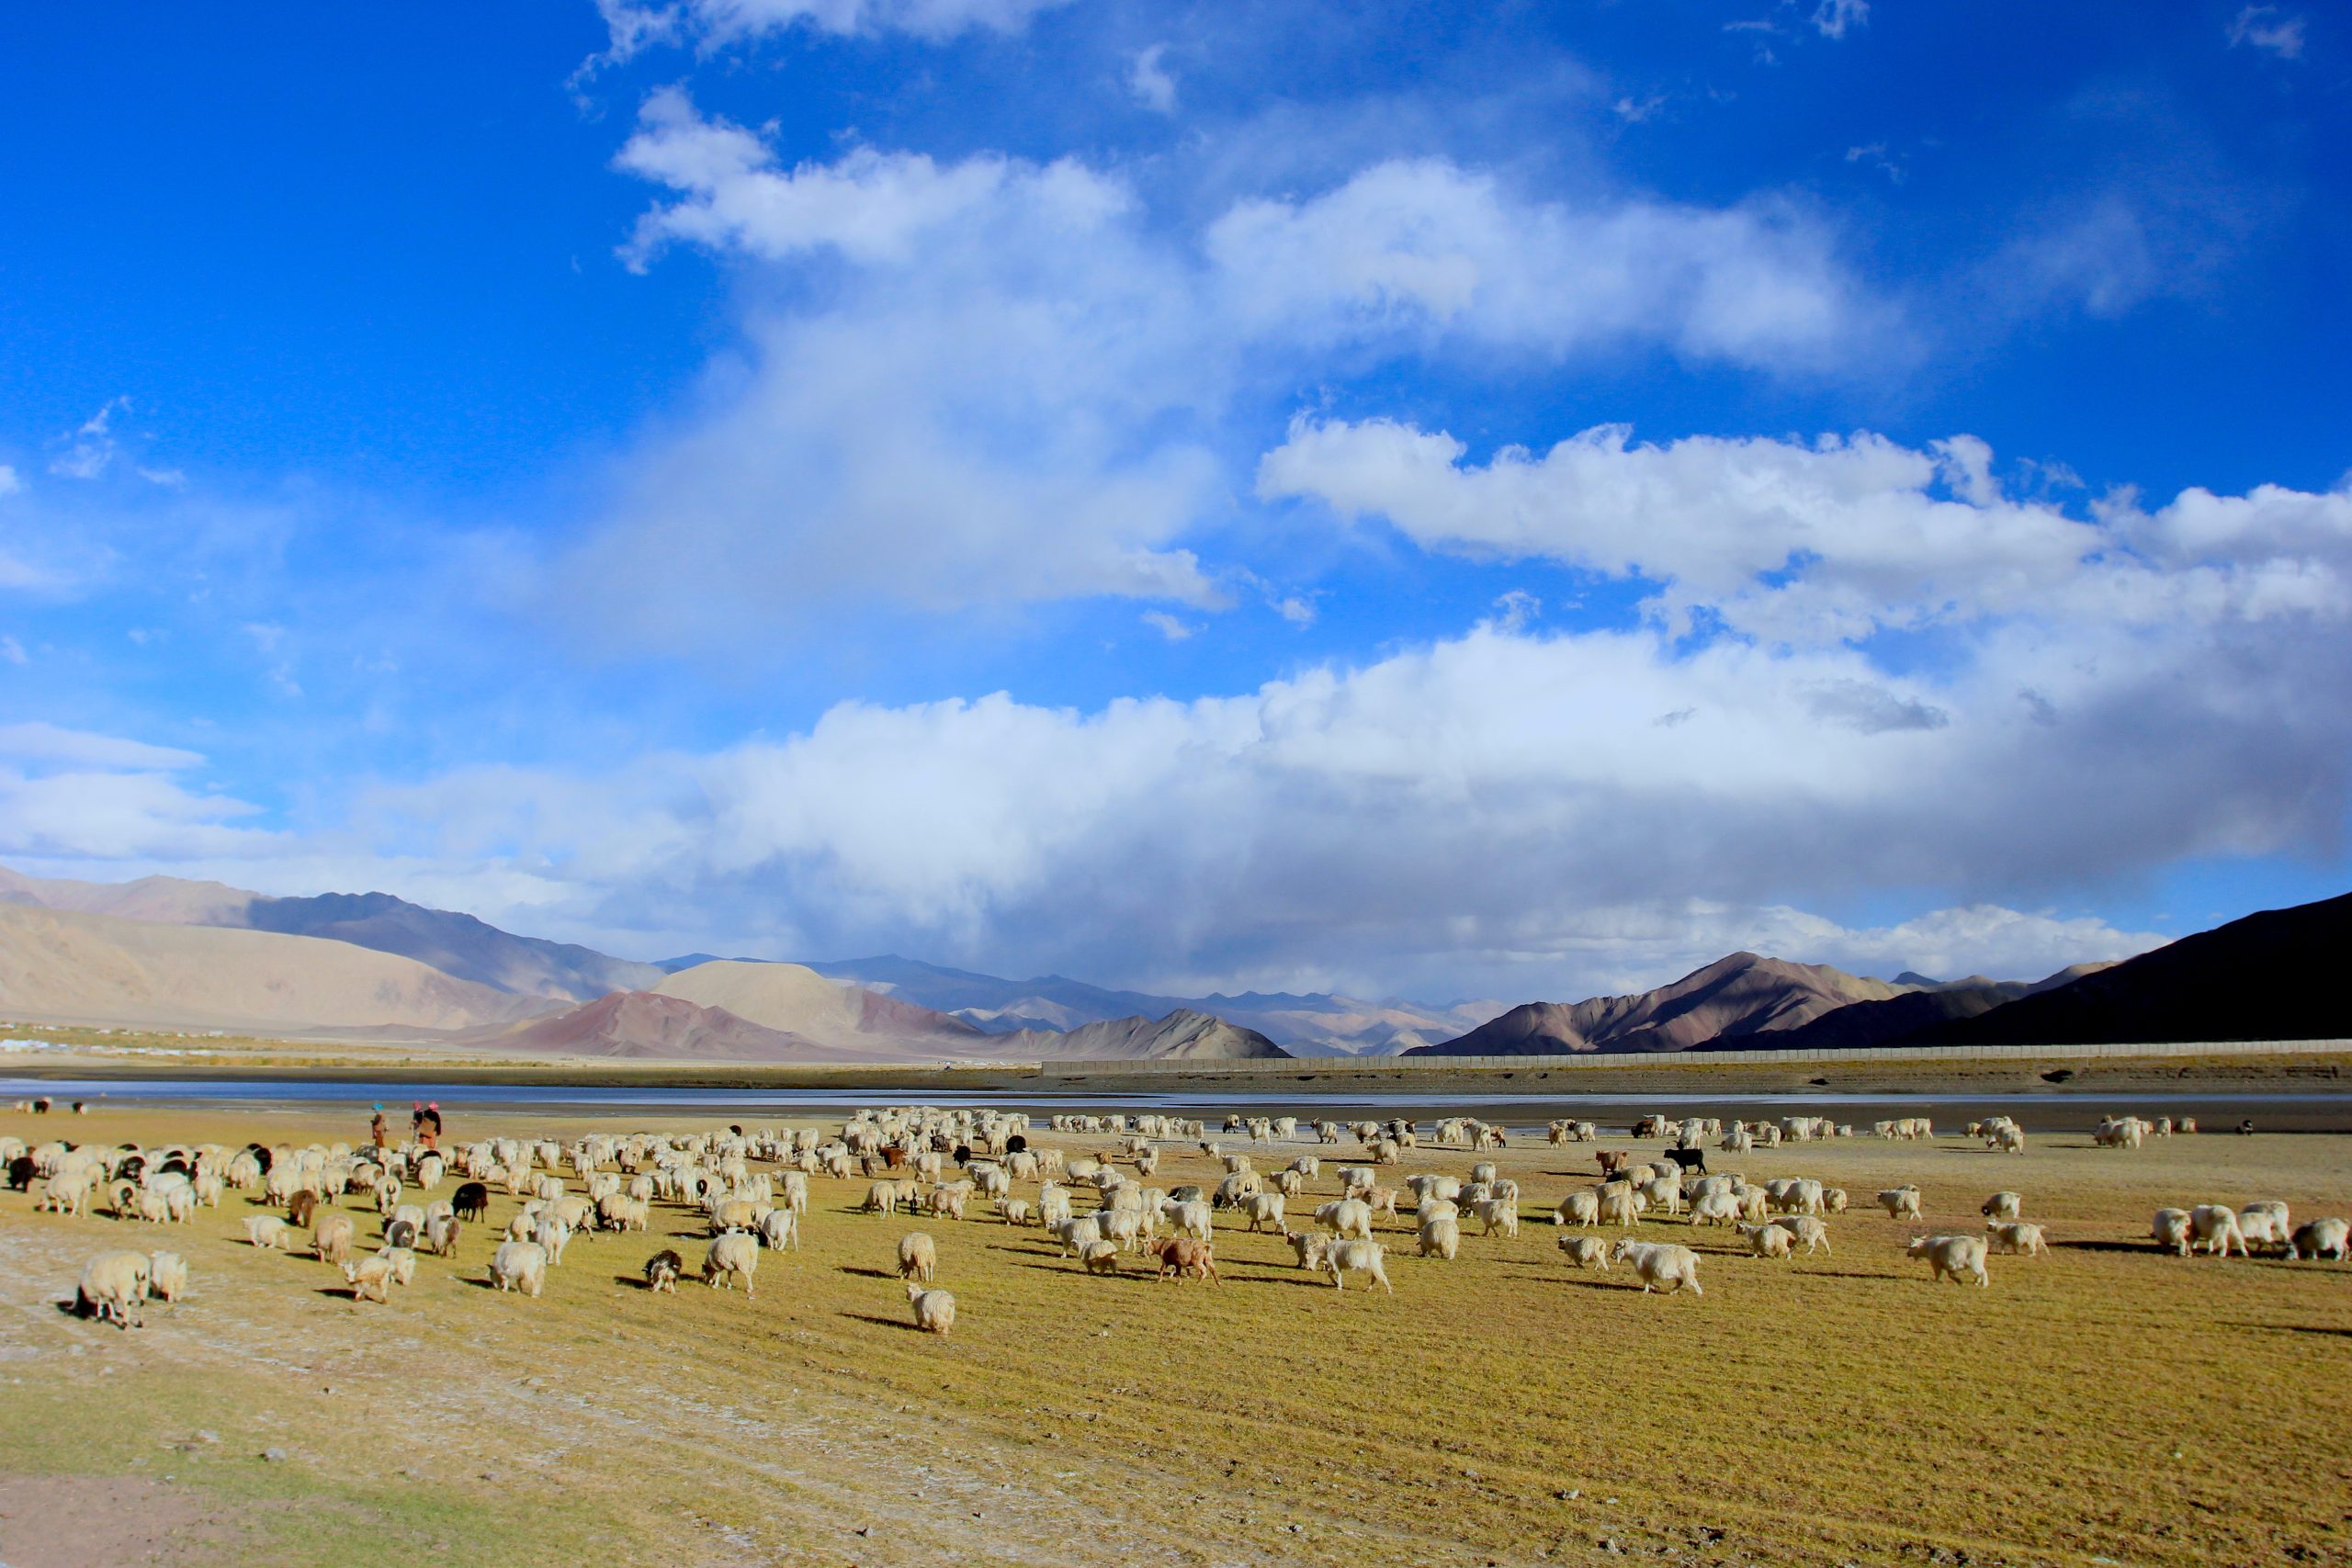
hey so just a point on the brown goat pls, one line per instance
(1183, 1255)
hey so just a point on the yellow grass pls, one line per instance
(2104, 1401)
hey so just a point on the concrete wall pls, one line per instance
(1405, 1066)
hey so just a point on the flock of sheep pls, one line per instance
(751, 1189)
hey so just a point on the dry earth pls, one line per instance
(2107, 1403)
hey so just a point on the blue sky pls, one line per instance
(1502, 501)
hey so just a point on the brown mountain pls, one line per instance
(65, 968)
(2271, 975)
(457, 945)
(1860, 1024)
(1182, 1035)
(794, 999)
(1738, 996)
(646, 1024)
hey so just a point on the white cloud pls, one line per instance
(1413, 249)
(1168, 626)
(13, 651)
(1148, 80)
(1504, 811)
(1833, 540)
(635, 27)
(47, 744)
(87, 452)
(91, 797)
(992, 381)
(9, 483)
(2269, 28)
(1831, 18)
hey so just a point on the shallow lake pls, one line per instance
(2054, 1110)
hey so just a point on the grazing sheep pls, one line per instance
(2009, 1138)
(1496, 1214)
(167, 1276)
(1078, 1233)
(2171, 1230)
(268, 1230)
(2328, 1237)
(1341, 1257)
(1767, 1240)
(1585, 1252)
(441, 1232)
(1308, 1248)
(934, 1310)
(918, 1256)
(1808, 1229)
(519, 1265)
(1714, 1208)
(1578, 1209)
(661, 1271)
(779, 1228)
(2258, 1225)
(553, 1236)
(2215, 1228)
(1833, 1200)
(1101, 1257)
(1901, 1202)
(370, 1279)
(1265, 1210)
(1620, 1204)
(332, 1240)
(1660, 1265)
(2277, 1210)
(2002, 1206)
(1958, 1258)
(114, 1285)
(1440, 1237)
(732, 1254)
(2021, 1237)
(1348, 1217)
(1180, 1256)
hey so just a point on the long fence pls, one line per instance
(1618, 1061)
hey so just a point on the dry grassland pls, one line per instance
(2104, 1404)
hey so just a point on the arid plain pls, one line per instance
(2104, 1403)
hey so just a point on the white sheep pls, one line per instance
(2171, 1230)
(2326, 1238)
(1901, 1202)
(1308, 1248)
(2002, 1206)
(1585, 1252)
(167, 1276)
(918, 1256)
(1807, 1229)
(1265, 1210)
(114, 1285)
(1660, 1264)
(1954, 1258)
(732, 1254)
(2021, 1238)
(1578, 1209)
(1767, 1240)
(1341, 1257)
(370, 1279)
(1078, 1233)
(519, 1265)
(1440, 1237)
(1349, 1217)
(1496, 1214)
(934, 1310)
(268, 1230)
(2215, 1228)
(1714, 1208)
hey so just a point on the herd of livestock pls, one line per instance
(752, 1190)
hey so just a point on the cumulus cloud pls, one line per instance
(91, 797)
(1508, 811)
(992, 381)
(1832, 540)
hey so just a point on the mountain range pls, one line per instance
(161, 952)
